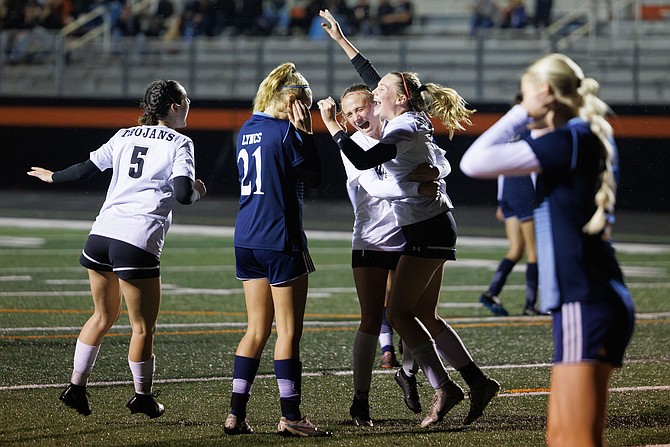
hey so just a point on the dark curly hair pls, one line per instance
(158, 98)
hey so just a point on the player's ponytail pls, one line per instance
(594, 110)
(436, 101)
(571, 88)
(158, 98)
(282, 81)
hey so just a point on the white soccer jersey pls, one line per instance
(144, 160)
(375, 227)
(412, 134)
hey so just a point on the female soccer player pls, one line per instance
(516, 201)
(427, 223)
(580, 279)
(275, 159)
(153, 167)
(377, 241)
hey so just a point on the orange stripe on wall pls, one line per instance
(625, 126)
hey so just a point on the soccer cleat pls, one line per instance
(389, 360)
(300, 429)
(76, 397)
(233, 426)
(445, 398)
(409, 391)
(493, 303)
(145, 403)
(480, 396)
(530, 312)
(360, 413)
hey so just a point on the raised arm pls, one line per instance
(363, 67)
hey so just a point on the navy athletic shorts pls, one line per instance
(521, 209)
(276, 266)
(593, 331)
(104, 254)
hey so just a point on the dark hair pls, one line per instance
(158, 98)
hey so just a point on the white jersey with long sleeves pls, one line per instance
(144, 160)
(375, 226)
(412, 134)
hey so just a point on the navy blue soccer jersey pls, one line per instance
(271, 193)
(584, 265)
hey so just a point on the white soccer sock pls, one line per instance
(365, 348)
(385, 339)
(451, 348)
(409, 365)
(427, 358)
(143, 374)
(84, 360)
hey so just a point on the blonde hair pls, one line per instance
(278, 85)
(356, 89)
(436, 100)
(572, 89)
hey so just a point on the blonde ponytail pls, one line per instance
(436, 101)
(282, 81)
(593, 110)
(578, 92)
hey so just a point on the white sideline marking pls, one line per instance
(38, 386)
(210, 230)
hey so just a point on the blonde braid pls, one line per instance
(572, 89)
(593, 111)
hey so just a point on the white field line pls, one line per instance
(307, 323)
(347, 373)
(326, 292)
(209, 230)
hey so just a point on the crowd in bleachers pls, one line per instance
(186, 19)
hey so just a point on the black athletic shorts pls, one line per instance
(432, 238)
(103, 254)
(375, 258)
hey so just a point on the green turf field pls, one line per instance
(44, 300)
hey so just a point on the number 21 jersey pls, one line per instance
(271, 193)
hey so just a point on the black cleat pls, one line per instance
(145, 403)
(409, 391)
(480, 397)
(76, 397)
(360, 413)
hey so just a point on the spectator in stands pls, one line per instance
(394, 18)
(542, 13)
(301, 16)
(194, 18)
(158, 22)
(224, 16)
(128, 23)
(363, 22)
(55, 14)
(342, 13)
(251, 20)
(514, 15)
(483, 15)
